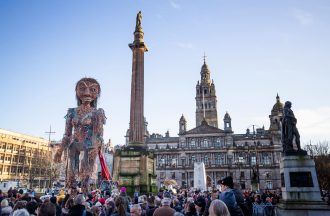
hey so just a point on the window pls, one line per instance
(266, 159)
(206, 160)
(173, 162)
(205, 143)
(162, 162)
(242, 174)
(269, 185)
(242, 185)
(217, 143)
(192, 143)
(253, 160)
(162, 175)
(183, 162)
(172, 175)
(219, 160)
(183, 176)
(241, 160)
(193, 159)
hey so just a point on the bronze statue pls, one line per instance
(138, 21)
(83, 137)
(289, 130)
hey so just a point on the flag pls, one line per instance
(104, 169)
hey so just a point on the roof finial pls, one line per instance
(277, 97)
(204, 57)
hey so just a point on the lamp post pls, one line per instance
(254, 176)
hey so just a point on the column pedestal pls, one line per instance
(300, 188)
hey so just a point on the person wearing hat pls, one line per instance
(228, 197)
(125, 198)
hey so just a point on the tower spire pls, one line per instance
(204, 58)
(206, 99)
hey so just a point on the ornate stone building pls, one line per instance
(251, 158)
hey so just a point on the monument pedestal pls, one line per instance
(199, 176)
(134, 169)
(300, 188)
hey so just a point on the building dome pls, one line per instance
(278, 106)
(205, 68)
(205, 74)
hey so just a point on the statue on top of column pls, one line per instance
(138, 21)
(290, 132)
(83, 137)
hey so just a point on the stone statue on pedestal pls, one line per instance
(138, 21)
(290, 132)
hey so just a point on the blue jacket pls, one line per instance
(228, 197)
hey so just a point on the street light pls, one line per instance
(255, 172)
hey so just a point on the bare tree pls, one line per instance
(320, 152)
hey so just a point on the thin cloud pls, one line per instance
(314, 122)
(185, 45)
(305, 18)
(174, 4)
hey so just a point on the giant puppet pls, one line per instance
(83, 137)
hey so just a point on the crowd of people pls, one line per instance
(115, 202)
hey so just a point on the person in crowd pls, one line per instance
(125, 199)
(269, 208)
(21, 212)
(238, 196)
(109, 207)
(120, 208)
(47, 209)
(58, 208)
(165, 209)
(78, 209)
(136, 210)
(200, 205)
(31, 207)
(1, 197)
(258, 206)
(228, 197)
(5, 208)
(95, 210)
(218, 208)
(177, 205)
(151, 206)
(191, 210)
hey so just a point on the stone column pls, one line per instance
(136, 131)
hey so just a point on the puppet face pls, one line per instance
(87, 91)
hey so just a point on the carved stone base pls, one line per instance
(134, 169)
(302, 209)
(300, 188)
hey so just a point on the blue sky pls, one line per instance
(254, 50)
